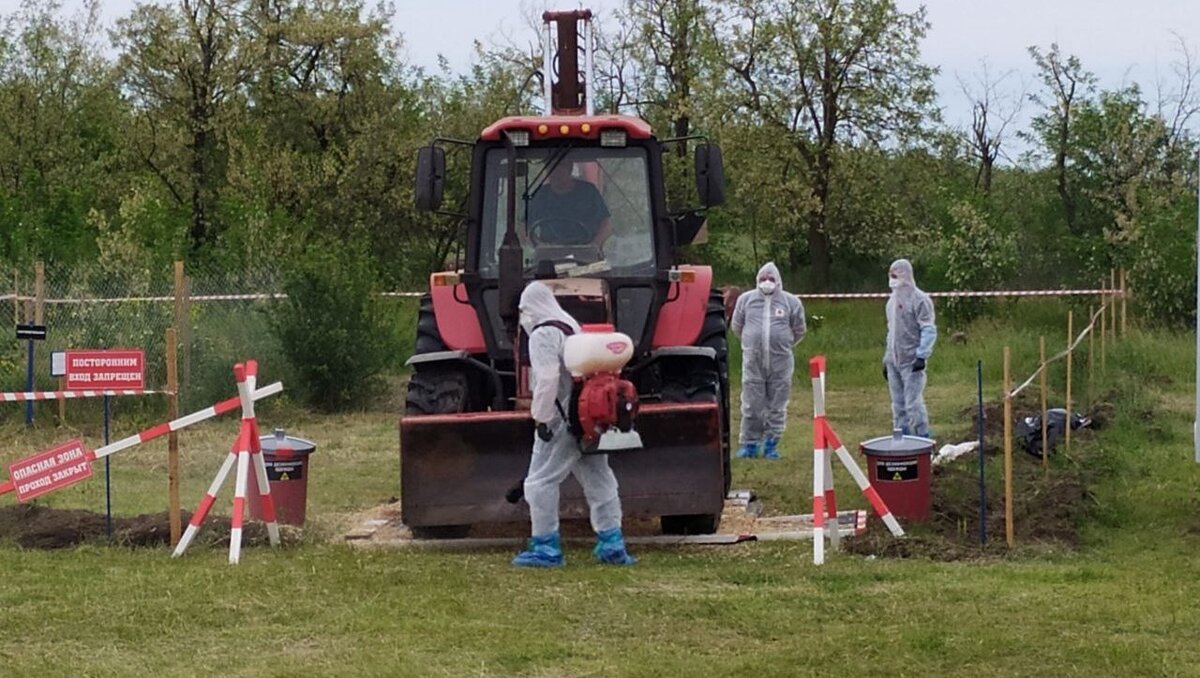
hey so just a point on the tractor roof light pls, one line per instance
(614, 138)
(446, 279)
(518, 137)
(686, 276)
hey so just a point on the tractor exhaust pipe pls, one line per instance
(564, 95)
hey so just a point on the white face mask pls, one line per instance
(766, 286)
(526, 321)
(893, 283)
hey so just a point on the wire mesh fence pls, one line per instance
(221, 317)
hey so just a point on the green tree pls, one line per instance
(1066, 86)
(183, 68)
(59, 124)
(823, 74)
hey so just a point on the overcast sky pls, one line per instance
(1121, 41)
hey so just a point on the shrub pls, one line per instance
(332, 326)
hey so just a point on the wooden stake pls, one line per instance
(1091, 355)
(1124, 297)
(1070, 360)
(1045, 421)
(173, 438)
(181, 312)
(1008, 489)
(1112, 304)
(62, 402)
(1103, 334)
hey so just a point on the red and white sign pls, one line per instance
(51, 470)
(98, 370)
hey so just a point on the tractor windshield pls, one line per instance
(575, 207)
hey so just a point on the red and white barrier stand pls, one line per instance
(825, 442)
(31, 473)
(246, 450)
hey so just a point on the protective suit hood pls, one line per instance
(769, 269)
(538, 305)
(904, 273)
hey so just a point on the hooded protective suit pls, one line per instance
(911, 333)
(554, 459)
(769, 325)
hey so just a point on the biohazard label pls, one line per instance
(896, 470)
(285, 469)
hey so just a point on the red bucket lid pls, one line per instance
(598, 327)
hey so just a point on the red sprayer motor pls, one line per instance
(606, 405)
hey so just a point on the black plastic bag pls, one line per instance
(1029, 430)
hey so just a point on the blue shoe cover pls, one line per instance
(545, 551)
(610, 548)
(747, 451)
(771, 449)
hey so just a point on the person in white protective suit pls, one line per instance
(769, 322)
(911, 333)
(556, 452)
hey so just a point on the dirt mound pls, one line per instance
(39, 527)
(1047, 512)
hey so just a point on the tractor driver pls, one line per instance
(567, 211)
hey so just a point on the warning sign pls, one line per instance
(285, 469)
(51, 470)
(105, 370)
(896, 470)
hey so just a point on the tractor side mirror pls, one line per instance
(710, 175)
(431, 178)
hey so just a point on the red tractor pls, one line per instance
(576, 200)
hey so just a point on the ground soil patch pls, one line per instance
(40, 527)
(1048, 508)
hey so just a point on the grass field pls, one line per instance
(1122, 604)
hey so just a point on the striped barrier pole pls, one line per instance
(168, 427)
(816, 368)
(206, 504)
(247, 377)
(863, 484)
(22, 396)
(835, 535)
(239, 496)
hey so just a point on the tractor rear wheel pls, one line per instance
(714, 335)
(702, 382)
(429, 339)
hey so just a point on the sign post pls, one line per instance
(107, 476)
(120, 369)
(31, 333)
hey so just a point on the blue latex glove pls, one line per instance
(928, 337)
(918, 365)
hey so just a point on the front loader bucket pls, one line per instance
(457, 468)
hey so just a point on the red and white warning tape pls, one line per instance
(19, 396)
(265, 296)
(257, 296)
(970, 293)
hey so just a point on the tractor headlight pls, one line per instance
(614, 138)
(518, 137)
